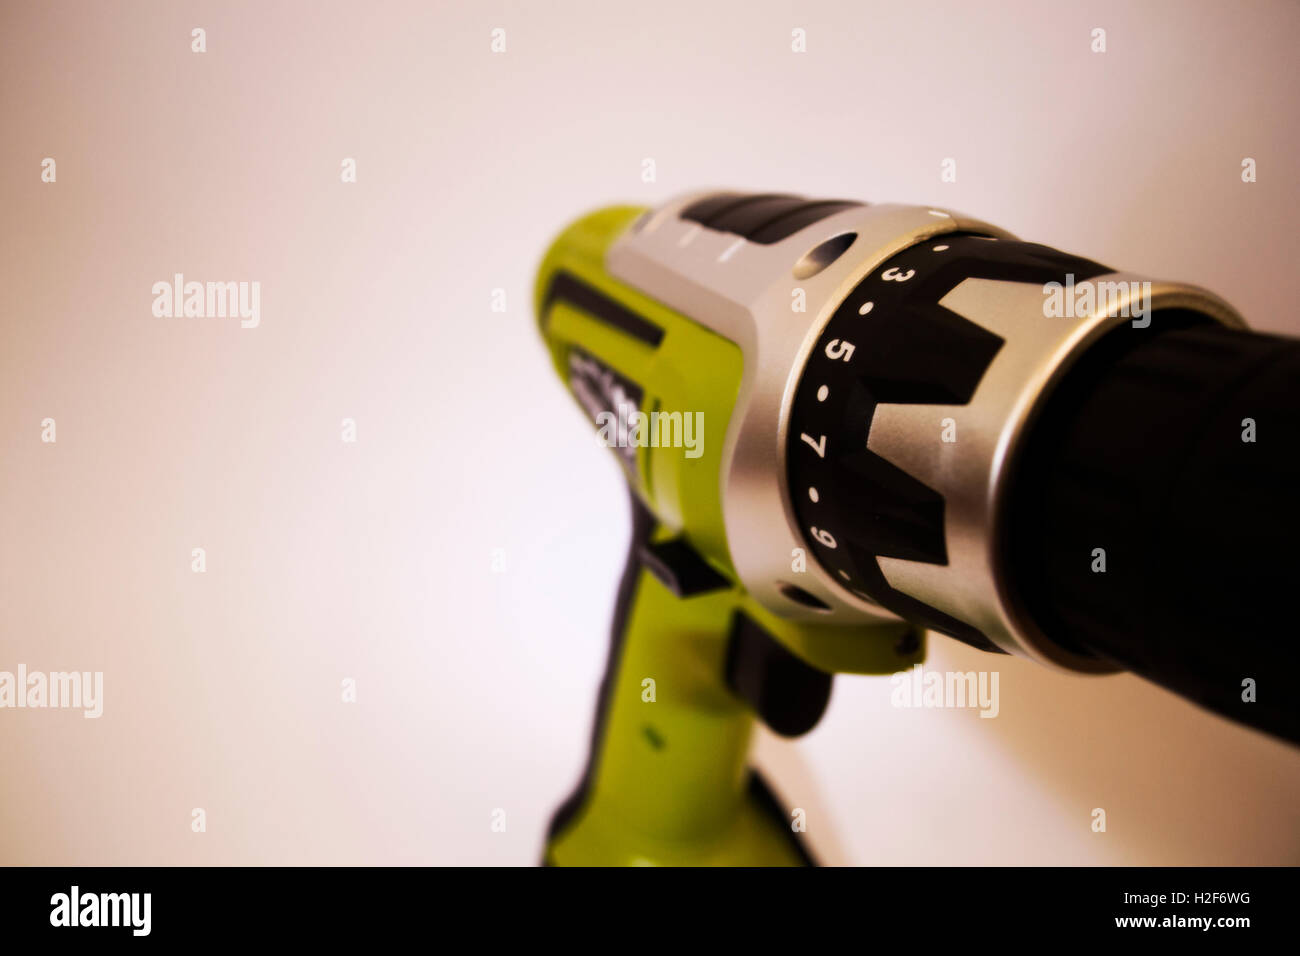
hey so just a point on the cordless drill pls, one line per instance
(845, 425)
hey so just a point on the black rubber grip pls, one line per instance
(1172, 454)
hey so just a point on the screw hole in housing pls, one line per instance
(823, 254)
(800, 596)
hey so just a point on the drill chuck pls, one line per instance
(1153, 521)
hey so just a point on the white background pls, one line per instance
(372, 561)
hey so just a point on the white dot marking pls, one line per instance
(866, 307)
(822, 393)
(731, 250)
(940, 248)
(812, 493)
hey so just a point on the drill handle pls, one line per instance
(667, 780)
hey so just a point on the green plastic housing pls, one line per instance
(668, 782)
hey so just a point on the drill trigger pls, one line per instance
(786, 693)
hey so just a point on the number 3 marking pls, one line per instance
(893, 275)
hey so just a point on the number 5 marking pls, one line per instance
(835, 349)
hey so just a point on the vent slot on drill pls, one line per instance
(764, 218)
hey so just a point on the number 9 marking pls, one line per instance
(824, 537)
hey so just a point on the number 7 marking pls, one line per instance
(817, 446)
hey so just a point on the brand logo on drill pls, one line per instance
(614, 403)
(632, 428)
(1132, 300)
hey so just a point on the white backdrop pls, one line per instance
(372, 561)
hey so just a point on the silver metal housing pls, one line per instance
(972, 473)
(744, 290)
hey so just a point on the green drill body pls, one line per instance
(668, 780)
